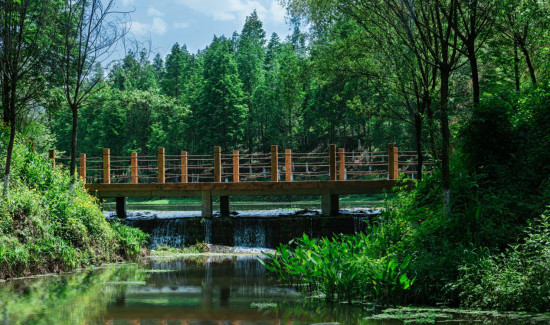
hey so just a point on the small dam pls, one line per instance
(254, 229)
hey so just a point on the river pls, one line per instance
(195, 289)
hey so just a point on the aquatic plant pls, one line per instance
(342, 268)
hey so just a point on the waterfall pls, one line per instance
(169, 232)
(208, 231)
(249, 233)
(359, 223)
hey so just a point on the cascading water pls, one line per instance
(249, 233)
(359, 223)
(208, 231)
(245, 230)
(169, 232)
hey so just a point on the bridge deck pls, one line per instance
(245, 188)
(328, 190)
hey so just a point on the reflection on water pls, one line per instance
(192, 290)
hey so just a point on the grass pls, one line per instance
(171, 251)
(47, 228)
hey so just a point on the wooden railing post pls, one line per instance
(106, 166)
(396, 164)
(393, 162)
(236, 166)
(184, 174)
(332, 162)
(288, 165)
(82, 167)
(217, 164)
(161, 166)
(52, 157)
(134, 167)
(274, 163)
(342, 165)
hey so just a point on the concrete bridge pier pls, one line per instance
(330, 204)
(121, 207)
(224, 206)
(206, 204)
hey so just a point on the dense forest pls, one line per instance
(465, 83)
(243, 92)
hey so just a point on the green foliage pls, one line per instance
(518, 279)
(222, 110)
(46, 228)
(463, 255)
(342, 268)
(197, 248)
(130, 239)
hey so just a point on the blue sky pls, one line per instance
(195, 22)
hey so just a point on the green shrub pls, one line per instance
(130, 239)
(45, 227)
(518, 279)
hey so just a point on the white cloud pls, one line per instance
(128, 2)
(277, 12)
(139, 29)
(152, 11)
(181, 25)
(225, 10)
(157, 26)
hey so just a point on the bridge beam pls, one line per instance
(121, 207)
(330, 204)
(206, 204)
(224, 206)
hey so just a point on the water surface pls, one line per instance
(201, 289)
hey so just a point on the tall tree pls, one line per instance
(25, 31)
(472, 26)
(90, 30)
(222, 109)
(525, 24)
(434, 20)
(250, 57)
(291, 92)
(176, 71)
(425, 27)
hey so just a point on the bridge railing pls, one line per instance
(275, 166)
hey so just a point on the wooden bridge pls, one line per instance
(327, 174)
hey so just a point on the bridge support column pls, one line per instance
(206, 204)
(330, 204)
(121, 207)
(224, 206)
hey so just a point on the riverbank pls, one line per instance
(47, 228)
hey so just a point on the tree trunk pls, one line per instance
(445, 139)
(529, 63)
(8, 157)
(431, 128)
(472, 58)
(418, 136)
(74, 134)
(5, 103)
(516, 67)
